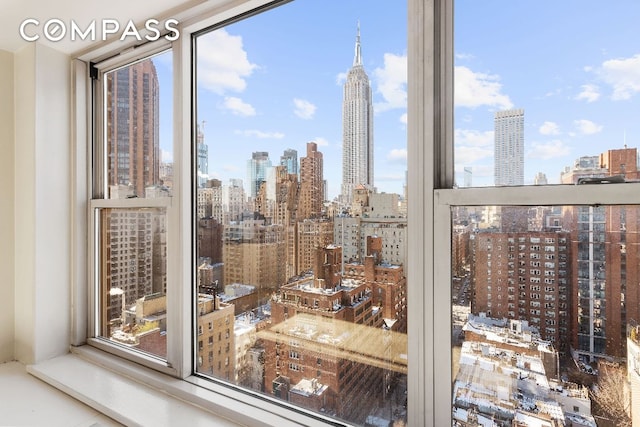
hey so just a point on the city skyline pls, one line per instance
(261, 99)
(581, 106)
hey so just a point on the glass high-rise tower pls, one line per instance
(357, 129)
(203, 158)
(508, 158)
(257, 167)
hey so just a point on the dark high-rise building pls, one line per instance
(210, 232)
(133, 127)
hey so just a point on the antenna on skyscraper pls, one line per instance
(357, 60)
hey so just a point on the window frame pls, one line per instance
(430, 119)
(97, 190)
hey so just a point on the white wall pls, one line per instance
(7, 141)
(42, 203)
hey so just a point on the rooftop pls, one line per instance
(501, 382)
(512, 332)
(309, 387)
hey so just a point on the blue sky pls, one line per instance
(274, 81)
(572, 65)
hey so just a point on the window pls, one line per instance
(267, 191)
(130, 203)
(516, 149)
(285, 168)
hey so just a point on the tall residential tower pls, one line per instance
(133, 127)
(509, 147)
(357, 129)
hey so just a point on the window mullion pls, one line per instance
(179, 251)
(594, 194)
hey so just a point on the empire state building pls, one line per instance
(357, 129)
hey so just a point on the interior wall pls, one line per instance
(42, 203)
(25, 259)
(7, 142)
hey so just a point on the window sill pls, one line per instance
(134, 395)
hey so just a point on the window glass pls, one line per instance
(138, 131)
(131, 233)
(301, 212)
(542, 91)
(133, 279)
(550, 318)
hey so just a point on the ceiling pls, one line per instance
(14, 12)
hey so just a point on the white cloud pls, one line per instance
(464, 56)
(238, 106)
(341, 78)
(166, 156)
(590, 93)
(467, 137)
(476, 89)
(466, 155)
(252, 133)
(392, 82)
(222, 62)
(304, 109)
(549, 128)
(548, 150)
(397, 155)
(623, 75)
(551, 93)
(472, 146)
(587, 127)
(322, 142)
(403, 118)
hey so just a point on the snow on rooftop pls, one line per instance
(308, 387)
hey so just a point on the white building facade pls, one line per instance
(509, 147)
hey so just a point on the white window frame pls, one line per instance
(429, 142)
(97, 193)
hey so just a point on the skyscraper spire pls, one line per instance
(357, 60)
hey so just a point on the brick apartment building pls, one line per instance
(332, 346)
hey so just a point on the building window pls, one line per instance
(273, 208)
(129, 205)
(248, 212)
(518, 201)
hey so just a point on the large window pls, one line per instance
(249, 208)
(301, 229)
(228, 243)
(541, 277)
